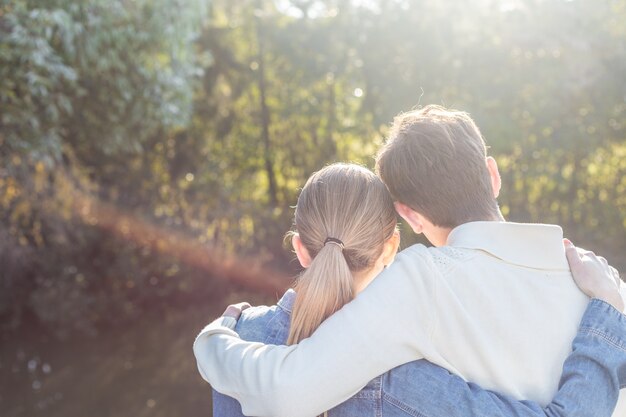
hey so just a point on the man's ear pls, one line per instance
(412, 217)
(301, 252)
(496, 181)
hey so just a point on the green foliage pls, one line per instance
(97, 75)
(206, 123)
(84, 86)
(34, 79)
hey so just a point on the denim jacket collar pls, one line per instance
(287, 300)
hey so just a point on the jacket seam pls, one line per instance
(611, 340)
(402, 406)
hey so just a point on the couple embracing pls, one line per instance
(492, 314)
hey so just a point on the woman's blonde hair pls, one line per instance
(348, 203)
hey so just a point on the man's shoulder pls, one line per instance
(438, 258)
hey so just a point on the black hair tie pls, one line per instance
(334, 241)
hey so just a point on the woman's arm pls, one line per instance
(224, 406)
(592, 376)
(589, 386)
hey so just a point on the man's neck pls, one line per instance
(438, 236)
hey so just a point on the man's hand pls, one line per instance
(594, 276)
(234, 310)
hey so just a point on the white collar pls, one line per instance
(538, 246)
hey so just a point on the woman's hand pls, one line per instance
(594, 276)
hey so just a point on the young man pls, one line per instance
(492, 302)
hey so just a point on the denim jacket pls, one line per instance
(592, 375)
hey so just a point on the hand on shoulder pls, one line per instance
(594, 276)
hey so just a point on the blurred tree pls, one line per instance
(97, 75)
(204, 120)
(83, 88)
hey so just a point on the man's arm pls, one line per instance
(592, 376)
(387, 325)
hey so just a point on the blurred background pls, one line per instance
(151, 150)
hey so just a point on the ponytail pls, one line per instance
(343, 218)
(324, 287)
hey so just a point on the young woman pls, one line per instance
(345, 234)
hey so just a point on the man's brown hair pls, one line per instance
(434, 162)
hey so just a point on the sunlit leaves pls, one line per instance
(154, 107)
(62, 63)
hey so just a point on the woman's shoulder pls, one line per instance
(267, 324)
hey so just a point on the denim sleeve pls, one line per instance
(225, 406)
(257, 324)
(592, 376)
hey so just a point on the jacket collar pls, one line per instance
(287, 300)
(538, 246)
